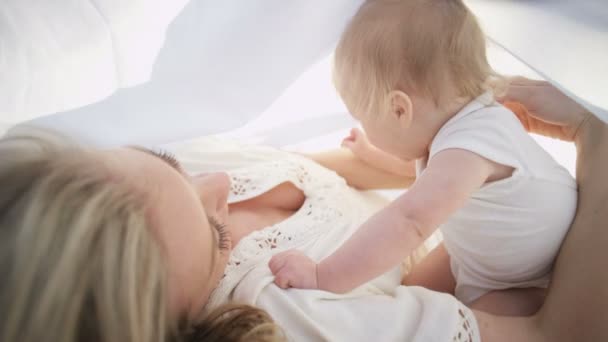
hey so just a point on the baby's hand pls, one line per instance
(294, 269)
(358, 143)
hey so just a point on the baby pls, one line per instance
(416, 76)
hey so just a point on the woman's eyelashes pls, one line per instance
(169, 158)
(224, 238)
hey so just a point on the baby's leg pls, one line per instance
(511, 302)
(433, 272)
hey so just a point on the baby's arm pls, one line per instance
(358, 173)
(392, 234)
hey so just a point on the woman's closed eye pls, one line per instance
(163, 155)
(169, 158)
(223, 236)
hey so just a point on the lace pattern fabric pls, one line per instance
(325, 203)
(329, 205)
(466, 330)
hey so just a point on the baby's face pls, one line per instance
(384, 132)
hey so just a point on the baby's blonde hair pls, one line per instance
(431, 48)
(79, 261)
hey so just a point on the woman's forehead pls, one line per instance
(180, 222)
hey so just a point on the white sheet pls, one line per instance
(57, 55)
(226, 62)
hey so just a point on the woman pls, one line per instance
(278, 201)
(143, 257)
(80, 260)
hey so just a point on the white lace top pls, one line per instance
(381, 309)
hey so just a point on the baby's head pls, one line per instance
(410, 56)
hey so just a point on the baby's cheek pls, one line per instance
(372, 137)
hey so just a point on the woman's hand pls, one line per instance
(543, 109)
(294, 269)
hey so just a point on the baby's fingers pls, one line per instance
(350, 137)
(282, 280)
(349, 144)
(278, 261)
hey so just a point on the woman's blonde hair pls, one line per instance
(423, 47)
(77, 257)
(235, 323)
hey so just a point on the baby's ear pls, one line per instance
(402, 108)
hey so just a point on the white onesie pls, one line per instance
(509, 232)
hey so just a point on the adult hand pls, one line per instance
(294, 269)
(543, 109)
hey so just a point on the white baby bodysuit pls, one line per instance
(509, 231)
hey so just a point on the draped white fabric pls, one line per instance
(224, 62)
(63, 54)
